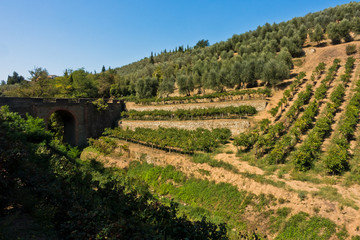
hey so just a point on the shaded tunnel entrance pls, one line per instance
(62, 124)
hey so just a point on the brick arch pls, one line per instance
(70, 124)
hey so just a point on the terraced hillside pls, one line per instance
(292, 172)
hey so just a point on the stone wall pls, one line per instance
(88, 121)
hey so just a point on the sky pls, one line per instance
(72, 34)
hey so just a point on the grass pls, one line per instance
(209, 159)
(304, 177)
(204, 172)
(302, 226)
(215, 201)
(298, 62)
(331, 193)
(302, 195)
(262, 179)
(277, 221)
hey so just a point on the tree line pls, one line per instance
(261, 56)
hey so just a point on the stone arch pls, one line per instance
(70, 125)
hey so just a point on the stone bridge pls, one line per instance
(81, 117)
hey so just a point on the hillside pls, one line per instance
(317, 195)
(255, 137)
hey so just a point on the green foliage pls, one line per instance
(302, 226)
(275, 71)
(332, 194)
(289, 93)
(100, 104)
(175, 139)
(337, 96)
(206, 158)
(72, 199)
(336, 160)
(202, 43)
(56, 126)
(220, 199)
(351, 49)
(317, 35)
(189, 114)
(104, 145)
(245, 140)
(15, 78)
(146, 88)
(239, 61)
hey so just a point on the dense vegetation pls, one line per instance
(279, 140)
(191, 114)
(47, 193)
(222, 96)
(262, 54)
(183, 140)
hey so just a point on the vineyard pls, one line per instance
(255, 137)
(186, 141)
(191, 114)
(310, 134)
(259, 93)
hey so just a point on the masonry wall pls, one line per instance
(89, 122)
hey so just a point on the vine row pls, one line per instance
(257, 93)
(186, 141)
(309, 151)
(190, 114)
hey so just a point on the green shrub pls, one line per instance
(336, 161)
(351, 49)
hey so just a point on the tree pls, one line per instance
(356, 25)
(151, 60)
(344, 30)
(15, 78)
(303, 32)
(317, 35)
(146, 88)
(103, 69)
(275, 71)
(213, 81)
(202, 43)
(334, 33)
(38, 74)
(105, 80)
(185, 84)
(235, 74)
(248, 72)
(84, 84)
(167, 86)
(285, 56)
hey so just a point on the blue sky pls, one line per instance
(57, 35)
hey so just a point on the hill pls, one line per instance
(298, 193)
(259, 132)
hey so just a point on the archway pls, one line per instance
(63, 124)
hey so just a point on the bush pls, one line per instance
(351, 49)
(337, 160)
